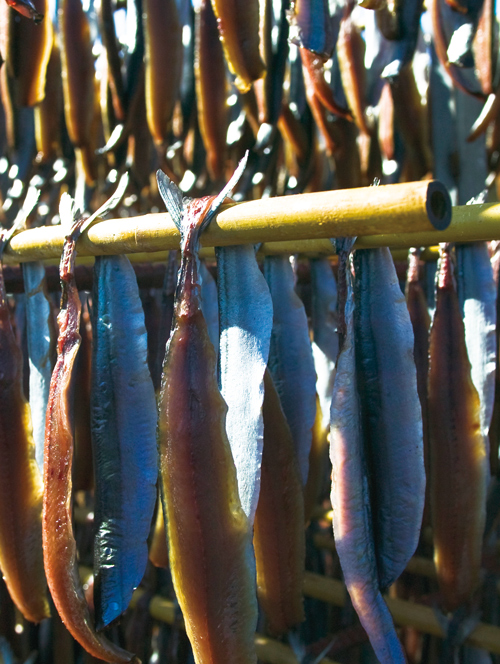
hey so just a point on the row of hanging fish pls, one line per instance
(323, 93)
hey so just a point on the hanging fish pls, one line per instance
(28, 55)
(83, 461)
(391, 411)
(408, 14)
(209, 304)
(158, 551)
(279, 534)
(458, 459)
(246, 320)
(21, 559)
(238, 22)
(211, 89)
(59, 547)
(208, 532)
(163, 58)
(421, 323)
(78, 78)
(49, 112)
(290, 357)
(312, 27)
(123, 409)
(352, 517)
(40, 349)
(484, 47)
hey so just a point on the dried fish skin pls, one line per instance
(392, 413)
(290, 357)
(458, 459)
(21, 559)
(208, 532)
(38, 317)
(163, 61)
(477, 293)
(238, 22)
(350, 496)
(246, 320)
(279, 534)
(59, 547)
(123, 408)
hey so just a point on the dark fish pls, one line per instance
(279, 534)
(312, 27)
(458, 459)
(208, 532)
(391, 410)
(123, 408)
(26, 8)
(21, 559)
(350, 496)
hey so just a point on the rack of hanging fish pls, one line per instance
(209, 355)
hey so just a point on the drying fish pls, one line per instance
(116, 84)
(408, 21)
(208, 532)
(40, 350)
(484, 47)
(477, 293)
(21, 559)
(316, 85)
(211, 89)
(158, 551)
(123, 411)
(421, 323)
(27, 65)
(279, 536)
(166, 315)
(26, 8)
(352, 518)
(238, 22)
(78, 82)
(49, 112)
(246, 320)
(325, 345)
(290, 357)
(458, 459)
(391, 411)
(83, 462)
(163, 58)
(59, 547)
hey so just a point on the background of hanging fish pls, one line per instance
(323, 94)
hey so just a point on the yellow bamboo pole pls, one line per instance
(414, 206)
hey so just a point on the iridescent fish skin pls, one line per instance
(290, 357)
(163, 58)
(211, 89)
(279, 533)
(458, 459)
(29, 51)
(246, 320)
(123, 409)
(312, 27)
(209, 304)
(40, 348)
(59, 546)
(392, 414)
(350, 496)
(208, 532)
(21, 559)
(238, 22)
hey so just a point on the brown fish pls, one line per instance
(208, 532)
(59, 547)
(238, 22)
(163, 58)
(279, 535)
(49, 112)
(458, 463)
(21, 559)
(211, 89)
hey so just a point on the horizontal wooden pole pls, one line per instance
(415, 207)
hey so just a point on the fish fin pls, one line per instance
(172, 197)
